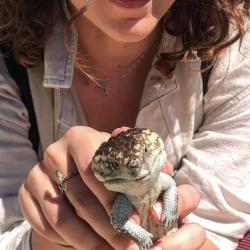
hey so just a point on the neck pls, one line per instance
(107, 53)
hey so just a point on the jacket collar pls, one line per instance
(157, 85)
(58, 63)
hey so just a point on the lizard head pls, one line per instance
(130, 160)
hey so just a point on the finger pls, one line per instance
(89, 208)
(33, 213)
(60, 214)
(119, 130)
(76, 137)
(188, 200)
(83, 163)
(167, 168)
(188, 237)
(83, 200)
(81, 149)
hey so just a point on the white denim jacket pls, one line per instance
(207, 138)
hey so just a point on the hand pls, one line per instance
(80, 217)
(187, 236)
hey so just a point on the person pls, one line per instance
(97, 67)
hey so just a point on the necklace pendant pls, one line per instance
(105, 92)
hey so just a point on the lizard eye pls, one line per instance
(146, 149)
(114, 165)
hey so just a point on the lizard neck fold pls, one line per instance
(147, 196)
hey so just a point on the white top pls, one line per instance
(207, 138)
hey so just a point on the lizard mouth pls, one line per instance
(120, 180)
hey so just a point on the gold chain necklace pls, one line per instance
(106, 90)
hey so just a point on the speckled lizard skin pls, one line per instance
(130, 164)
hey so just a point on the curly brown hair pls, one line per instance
(25, 25)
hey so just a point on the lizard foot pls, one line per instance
(168, 222)
(143, 239)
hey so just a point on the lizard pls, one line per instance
(130, 164)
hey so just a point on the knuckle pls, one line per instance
(50, 154)
(79, 133)
(75, 132)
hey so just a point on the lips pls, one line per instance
(130, 3)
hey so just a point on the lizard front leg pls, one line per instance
(170, 202)
(120, 221)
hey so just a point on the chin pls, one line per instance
(126, 25)
(132, 30)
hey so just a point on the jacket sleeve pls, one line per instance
(217, 163)
(16, 159)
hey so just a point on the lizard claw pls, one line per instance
(168, 222)
(144, 240)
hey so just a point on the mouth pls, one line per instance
(130, 4)
(121, 181)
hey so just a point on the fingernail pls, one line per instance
(157, 210)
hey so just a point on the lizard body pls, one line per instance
(130, 164)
